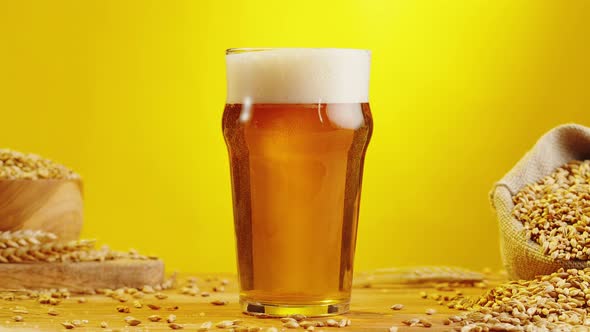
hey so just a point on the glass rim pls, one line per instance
(240, 50)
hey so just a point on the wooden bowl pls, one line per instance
(50, 205)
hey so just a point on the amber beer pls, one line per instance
(297, 124)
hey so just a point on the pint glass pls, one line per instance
(297, 124)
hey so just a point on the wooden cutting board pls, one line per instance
(82, 276)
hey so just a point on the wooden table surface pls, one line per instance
(370, 310)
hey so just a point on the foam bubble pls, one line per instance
(298, 75)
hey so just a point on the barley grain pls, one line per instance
(19, 310)
(298, 317)
(147, 289)
(170, 282)
(411, 321)
(224, 324)
(132, 321)
(291, 325)
(425, 322)
(305, 324)
(160, 296)
(123, 309)
(154, 318)
(219, 302)
(205, 326)
(68, 325)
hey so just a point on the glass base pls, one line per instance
(280, 310)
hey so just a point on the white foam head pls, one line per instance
(297, 76)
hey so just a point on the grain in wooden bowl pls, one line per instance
(37, 193)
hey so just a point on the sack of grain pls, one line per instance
(523, 257)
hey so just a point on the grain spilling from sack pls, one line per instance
(555, 302)
(555, 211)
(16, 165)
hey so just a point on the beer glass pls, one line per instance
(297, 124)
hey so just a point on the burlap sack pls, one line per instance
(523, 258)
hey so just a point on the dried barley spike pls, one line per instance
(37, 246)
(23, 238)
(416, 275)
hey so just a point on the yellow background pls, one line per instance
(130, 94)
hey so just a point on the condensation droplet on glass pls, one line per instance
(320, 111)
(246, 113)
(347, 116)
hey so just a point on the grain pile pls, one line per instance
(16, 165)
(555, 302)
(555, 211)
